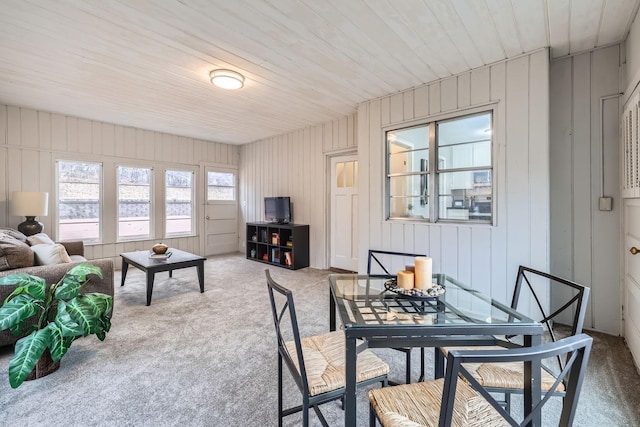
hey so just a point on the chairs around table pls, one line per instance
(379, 264)
(569, 308)
(451, 402)
(316, 363)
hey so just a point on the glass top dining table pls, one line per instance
(461, 316)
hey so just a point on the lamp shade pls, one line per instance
(30, 203)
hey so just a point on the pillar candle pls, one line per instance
(423, 272)
(405, 279)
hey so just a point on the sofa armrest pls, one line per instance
(74, 248)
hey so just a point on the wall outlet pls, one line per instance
(606, 203)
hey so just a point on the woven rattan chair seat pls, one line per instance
(418, 404)
(324, 359)
(502, 375)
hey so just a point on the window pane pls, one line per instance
(221, 186)
(466, 195)
(179, 202)
(408, 161)
(134, 202)
(349, 170)
(355, 173)
(409, 139)
(466, 129)
(465, 155)
(409, 207)
(79, 186)
(221, 179)
(340, 175)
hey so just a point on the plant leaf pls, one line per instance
(58, 346)
(28, 351)
(14, 312)
(101, 303)
(31, 285)
(67, 326)
(69, 289)
(75, 279)
(83, 314)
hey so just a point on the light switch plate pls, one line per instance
(606, 203)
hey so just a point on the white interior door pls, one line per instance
(632, 277)
(221, 211)
(344, 212)
(630, 150)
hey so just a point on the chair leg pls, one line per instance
(408, 373)
(372, 416)
(422, 378)
(507, 401)
(280, 390)
(305, 413)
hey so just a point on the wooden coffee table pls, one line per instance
(178, 259)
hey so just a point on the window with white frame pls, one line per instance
(458, 186)
(134, 202)
(79, 189)
(221, 186)
(179, 199)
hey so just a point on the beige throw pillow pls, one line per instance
(50, 254)
(40, 239)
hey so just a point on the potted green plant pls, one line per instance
(61, 316)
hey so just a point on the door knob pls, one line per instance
(634, 250)
(210, 218)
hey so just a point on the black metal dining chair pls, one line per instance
(379, 264)
(316, 363)
(449, 401)
(569, 305)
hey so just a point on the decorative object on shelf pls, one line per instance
(159, 248)
(265, 257)
(30, 204)
(423, 272)
(275, 238)
(254, 238)
(288, 258)
(289, 243)
(63, 316)
(428, 294)
(253, 253)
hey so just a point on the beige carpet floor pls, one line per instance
(209, 359)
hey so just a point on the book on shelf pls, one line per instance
(288, 258)
(275, 255)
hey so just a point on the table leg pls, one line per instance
(170, 273)
(332, 311)
(150, 277)
(532, 387)
(200, 268)
(350, 389)
(125, 267)
(438, 363)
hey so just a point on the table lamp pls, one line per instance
(30, 204)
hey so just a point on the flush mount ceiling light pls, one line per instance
(227, 79)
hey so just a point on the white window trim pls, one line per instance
(152, 210)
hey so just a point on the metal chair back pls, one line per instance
(576, 349)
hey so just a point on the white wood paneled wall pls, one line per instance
(294, 164)
(486, 257)
(31, 141)
(585, 242)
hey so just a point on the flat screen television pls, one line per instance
(277, 210)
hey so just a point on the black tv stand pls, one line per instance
(282, 245)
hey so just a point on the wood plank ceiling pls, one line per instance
(146, 63)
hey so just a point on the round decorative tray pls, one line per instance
(430, 294)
